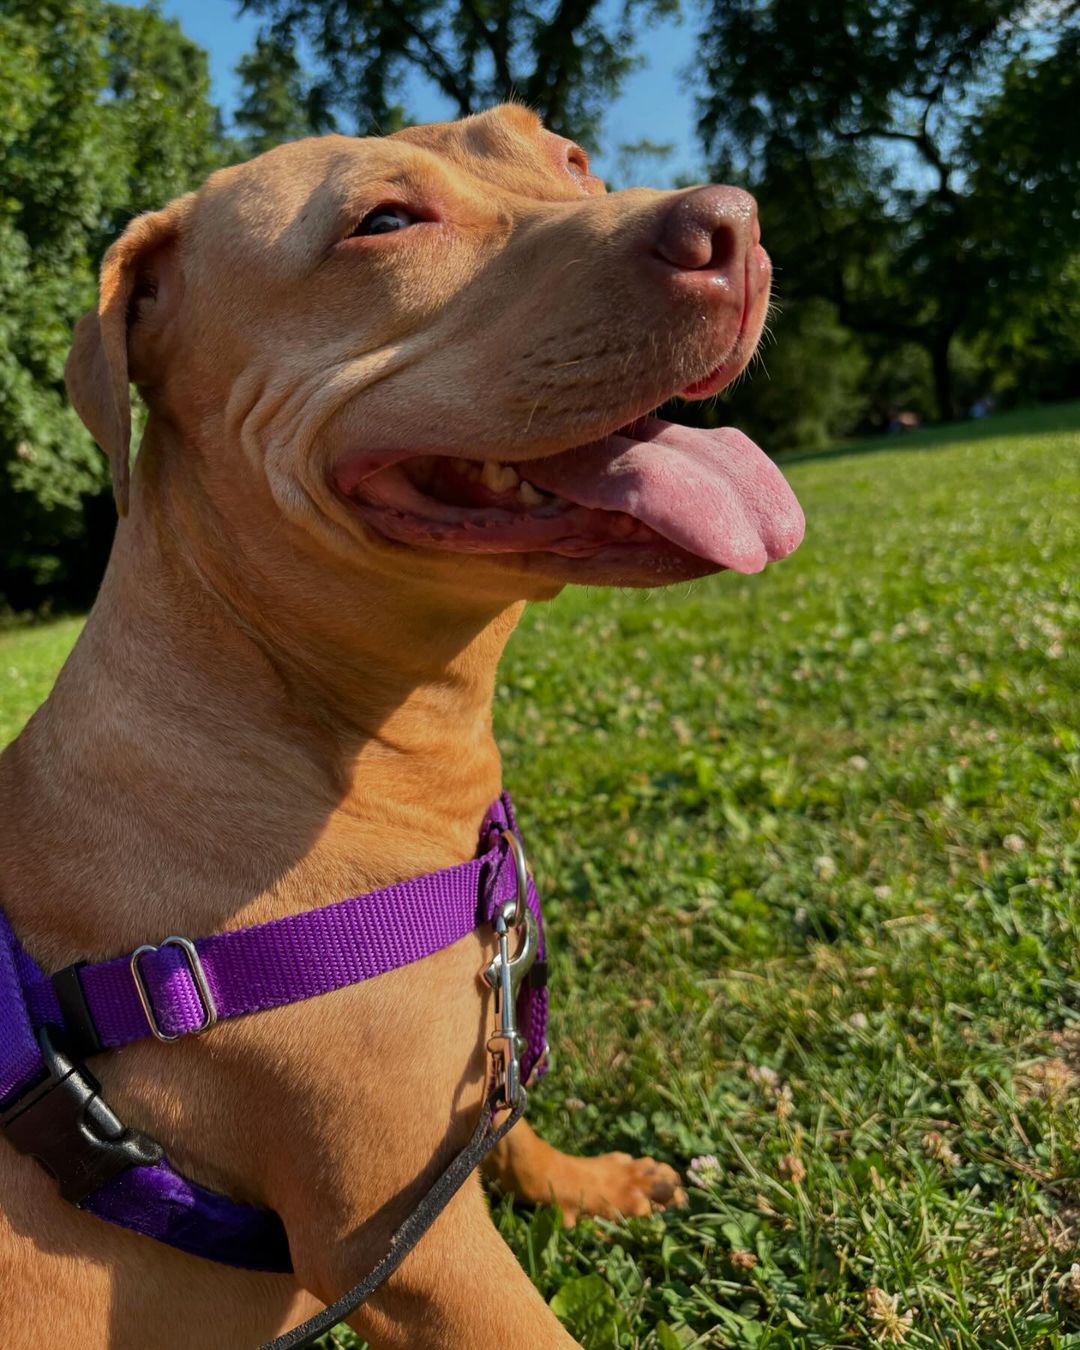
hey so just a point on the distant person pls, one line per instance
(905, 420)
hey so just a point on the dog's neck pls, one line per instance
(249, 764)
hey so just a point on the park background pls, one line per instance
(917, 165)
(809, 841)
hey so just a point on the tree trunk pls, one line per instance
(943, 384)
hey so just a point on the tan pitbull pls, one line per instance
(396, 387)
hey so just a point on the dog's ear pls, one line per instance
(118, 341)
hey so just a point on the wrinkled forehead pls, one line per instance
(507, 147)
(281, 204)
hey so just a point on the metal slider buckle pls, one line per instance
(198, 974)
(505, 974)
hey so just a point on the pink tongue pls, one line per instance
(714, 493)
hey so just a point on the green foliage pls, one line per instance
(280, 103)
(104, 113)
(1034, 349)
(565, 60)
(587, 1306)
(50, 199)
(1022, 152)
(165, 133)
(640, 163)
(916, 162)
(808, 385)
(808, 847)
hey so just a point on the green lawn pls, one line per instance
(809, 843)
(29, 660)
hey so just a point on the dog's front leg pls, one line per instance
(460, 1289)
(608, 1185)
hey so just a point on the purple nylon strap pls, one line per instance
(251, 970)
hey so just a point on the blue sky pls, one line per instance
(656, 102)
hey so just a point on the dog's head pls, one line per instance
(436, 353)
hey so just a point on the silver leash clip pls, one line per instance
(505, 973)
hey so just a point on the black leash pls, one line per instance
(484, 1138)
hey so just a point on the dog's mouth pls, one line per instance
(651, 493)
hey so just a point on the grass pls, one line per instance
(809, 848)
(29, 660)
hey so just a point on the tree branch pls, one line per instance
(497, 41)
(437, 67)
(920, 139)
(500, 50)
(553, 41)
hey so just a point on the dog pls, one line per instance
(396, 387)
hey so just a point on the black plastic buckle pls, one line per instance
(80, 1030)
(65, 1124)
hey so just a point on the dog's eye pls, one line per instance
(384, 220)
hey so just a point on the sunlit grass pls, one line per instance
(808, 842)
(29, 660)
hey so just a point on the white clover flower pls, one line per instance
(704, 1171)
(1069, 1286)
(763, 1077)
(890, 1324)
(937, 1147)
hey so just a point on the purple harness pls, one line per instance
(50, 1106)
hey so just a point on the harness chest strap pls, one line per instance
(49, 1104)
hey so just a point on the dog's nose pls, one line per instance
(708, 230)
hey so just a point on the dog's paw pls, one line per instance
(613, 1185)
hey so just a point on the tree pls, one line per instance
(565, 58)
(903, 154)
(1024, 156)
(641, 163)
(104, 113)
(803, 389)
(280, 103)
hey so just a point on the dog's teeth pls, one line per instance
(528, 494)
(498, 477)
